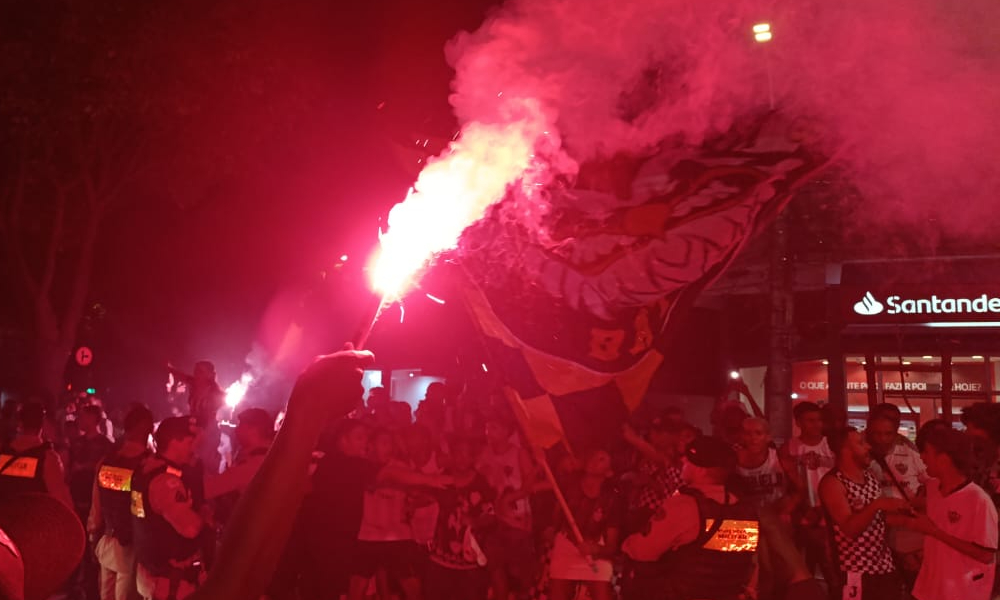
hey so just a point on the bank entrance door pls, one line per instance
(925, 387)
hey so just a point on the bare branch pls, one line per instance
(12, 236)
(55, 241)
(85, 154)
(131, 168)
(104, 154)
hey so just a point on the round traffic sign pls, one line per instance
(84, 356)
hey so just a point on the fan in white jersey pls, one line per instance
(960, 524)
(761, 477)
(806, 459)
(808, 456)
(901, 474)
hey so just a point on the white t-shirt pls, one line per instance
(764, 484)
(947, 574)
(813, 463)
(503, 472)
(384, 518)
(905, 463)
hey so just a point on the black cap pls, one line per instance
(710, 452)
(174, 428)
(259, 419)
(138, 415)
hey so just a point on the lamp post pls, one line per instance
(762, 34)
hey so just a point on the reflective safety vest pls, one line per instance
(114, 486)
(157, 543)
(23, 472)
(719, 564)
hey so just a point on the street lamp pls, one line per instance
(762, 32)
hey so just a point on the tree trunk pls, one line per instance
(50, 367)
(56, 334)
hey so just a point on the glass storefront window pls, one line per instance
(914, 383)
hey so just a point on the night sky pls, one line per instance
(273, 137)
(186, 280)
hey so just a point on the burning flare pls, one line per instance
(454, 191)
(238, 389)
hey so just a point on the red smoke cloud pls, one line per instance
(907, 92)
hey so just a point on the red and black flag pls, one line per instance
(577, 319)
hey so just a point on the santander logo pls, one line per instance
(934, 305)
(868, 305)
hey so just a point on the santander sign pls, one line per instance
(933, 305)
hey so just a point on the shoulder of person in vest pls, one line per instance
(717, 493)
(670, 526)
(168, 489)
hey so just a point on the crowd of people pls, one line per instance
(450, 502)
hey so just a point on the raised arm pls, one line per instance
(641, 445)
(234, 479)
(263, 519)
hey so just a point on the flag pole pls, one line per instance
(539, 453)
(360, 339)
(570, 519)
(517, 406)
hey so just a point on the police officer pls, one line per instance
(702, 541)
(29, 464)
(110, 515)
(168, 528)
